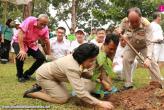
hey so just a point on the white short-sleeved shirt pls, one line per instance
(157, 33)
(59, 49)
(96, 43)
(75, 44)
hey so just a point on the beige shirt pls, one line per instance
(141, 37)
(66, 69)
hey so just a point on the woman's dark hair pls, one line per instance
(111, 38)
(85, 51)
(8, 22)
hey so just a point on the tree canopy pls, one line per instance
(89, 13)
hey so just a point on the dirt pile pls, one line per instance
(148, 98)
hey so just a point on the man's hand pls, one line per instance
(147, 62)
(118, 31)
(114, 64)
(106, 85)
(49, 58)
(106, 105)
(21, 55)
(46, 48)
(2, 38)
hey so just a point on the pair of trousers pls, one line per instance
(158, 52)
(58, 90)
(118, 68)
(128, 59)
(40, 58)
(7, 47)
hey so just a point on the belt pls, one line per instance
(159, 42)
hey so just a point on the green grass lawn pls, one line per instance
(11, 90)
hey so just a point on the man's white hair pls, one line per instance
(43, 15)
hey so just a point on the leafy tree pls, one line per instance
(12, 11)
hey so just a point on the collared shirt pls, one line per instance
(67, 69)
(59, 49)
(75, 44)
(141, 37)
(31, 33)
(7, 33)
(157, 34)
(96, 43)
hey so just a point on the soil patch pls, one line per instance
(150, 97)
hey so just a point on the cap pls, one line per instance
(80, 31)
(17, 21)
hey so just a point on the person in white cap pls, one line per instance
(15, 31)
(80, 39)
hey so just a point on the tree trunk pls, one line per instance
(73, 14)
(27, 10)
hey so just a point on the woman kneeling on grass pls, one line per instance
(67, 69)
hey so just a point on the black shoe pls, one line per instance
(35, 88)
(126, 88)
(21, 79)
(27, 77)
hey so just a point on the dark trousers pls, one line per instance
(7, 46)
(40, 58)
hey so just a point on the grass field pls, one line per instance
(11, 90)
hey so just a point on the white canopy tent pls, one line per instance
(15, 2)
(18, 2)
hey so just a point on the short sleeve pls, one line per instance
(25, 24)
(46, 34)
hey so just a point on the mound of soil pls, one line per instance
(147, 98)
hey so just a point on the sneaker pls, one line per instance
(27, 77)
(35, 88)
(4, 61)
(126, 88)
(21, 79)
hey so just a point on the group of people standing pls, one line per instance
(73, 61)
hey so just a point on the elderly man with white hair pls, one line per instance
(25, 43)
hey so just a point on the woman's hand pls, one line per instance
(106, 105)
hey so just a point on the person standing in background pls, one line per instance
(100, 37)
(118, 61)
(7, 34)
(15, 31)
(80, 36)
(59, 45)
(157, 38)
(92, 34)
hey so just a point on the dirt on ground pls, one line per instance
(150, 97)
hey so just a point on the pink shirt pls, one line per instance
(32, 33)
